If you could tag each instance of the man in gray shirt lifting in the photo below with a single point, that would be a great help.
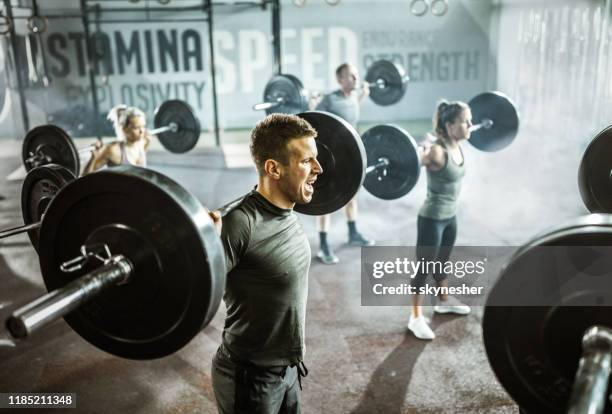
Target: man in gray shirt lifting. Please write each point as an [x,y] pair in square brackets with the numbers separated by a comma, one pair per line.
[259,364]
[344,102]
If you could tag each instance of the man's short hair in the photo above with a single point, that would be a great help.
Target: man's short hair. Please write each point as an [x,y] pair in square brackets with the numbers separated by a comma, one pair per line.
[341,68]
[271,135]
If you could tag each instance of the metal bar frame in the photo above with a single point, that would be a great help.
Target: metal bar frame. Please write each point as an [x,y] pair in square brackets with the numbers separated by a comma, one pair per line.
[20,88]
[276,36]
[90,68]
[213,79]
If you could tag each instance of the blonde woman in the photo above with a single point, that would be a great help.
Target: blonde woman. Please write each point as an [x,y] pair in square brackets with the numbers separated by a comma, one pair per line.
[132,141]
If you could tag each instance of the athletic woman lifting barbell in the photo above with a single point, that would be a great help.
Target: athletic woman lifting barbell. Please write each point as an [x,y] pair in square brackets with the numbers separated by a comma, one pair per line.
[436,222]
[130,148]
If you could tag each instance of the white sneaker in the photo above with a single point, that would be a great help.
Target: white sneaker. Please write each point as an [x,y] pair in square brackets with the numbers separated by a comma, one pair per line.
[452,305]
[420,328]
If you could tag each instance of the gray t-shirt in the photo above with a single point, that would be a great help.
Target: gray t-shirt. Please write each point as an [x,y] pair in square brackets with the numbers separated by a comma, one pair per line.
[346,107]
[268,258]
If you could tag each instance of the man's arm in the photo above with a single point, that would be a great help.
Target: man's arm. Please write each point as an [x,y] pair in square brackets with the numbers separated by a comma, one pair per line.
[365,92]
[235,236]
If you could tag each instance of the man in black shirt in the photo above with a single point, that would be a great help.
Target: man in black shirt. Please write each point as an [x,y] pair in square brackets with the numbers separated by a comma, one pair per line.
[258,367]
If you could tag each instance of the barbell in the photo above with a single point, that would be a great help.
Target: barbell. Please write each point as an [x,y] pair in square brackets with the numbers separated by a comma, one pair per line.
[547,324]
[286,93]
[176,126]
[393,154]
[38,189]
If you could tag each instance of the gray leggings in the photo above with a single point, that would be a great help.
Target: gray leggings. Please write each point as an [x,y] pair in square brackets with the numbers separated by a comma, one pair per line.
[435,240]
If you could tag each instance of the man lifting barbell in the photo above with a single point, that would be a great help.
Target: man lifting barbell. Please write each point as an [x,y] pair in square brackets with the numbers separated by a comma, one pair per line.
[344,102]
[258,367]
[163,271]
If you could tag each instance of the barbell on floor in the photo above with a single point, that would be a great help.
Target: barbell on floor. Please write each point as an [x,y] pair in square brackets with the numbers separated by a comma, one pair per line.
[176,126]
[286,94]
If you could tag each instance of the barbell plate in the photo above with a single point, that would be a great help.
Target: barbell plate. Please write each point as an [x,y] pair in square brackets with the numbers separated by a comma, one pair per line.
[290,90]
[395,80]
[165,232]
[55,143]
[534,349]
[502,111]
[342,157]
[595,173]
[396,145]
[182,114]
[39,187]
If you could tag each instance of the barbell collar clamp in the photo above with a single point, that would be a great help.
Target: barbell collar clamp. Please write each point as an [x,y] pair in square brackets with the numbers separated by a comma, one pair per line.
[46,309]
[379,83]
[485,123]
[381,163]
[171,127]
[18,230]
[590,386]
[267,105]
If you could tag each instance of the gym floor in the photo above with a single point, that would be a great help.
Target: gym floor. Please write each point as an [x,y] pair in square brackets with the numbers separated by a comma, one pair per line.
[361,359]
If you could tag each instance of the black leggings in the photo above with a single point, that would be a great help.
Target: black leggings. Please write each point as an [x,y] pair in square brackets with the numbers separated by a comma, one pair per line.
[435,240]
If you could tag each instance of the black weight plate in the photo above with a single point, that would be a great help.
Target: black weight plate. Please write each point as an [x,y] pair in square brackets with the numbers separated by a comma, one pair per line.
[290,90]
[39,187]
[342,156]
[165,232]
[394,78]
[534,350]
[53,145]
[595,173]
[396,145]
[182,114]
[501,110]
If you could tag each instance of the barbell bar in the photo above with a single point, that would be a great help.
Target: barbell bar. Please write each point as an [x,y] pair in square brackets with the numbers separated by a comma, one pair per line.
[590,386]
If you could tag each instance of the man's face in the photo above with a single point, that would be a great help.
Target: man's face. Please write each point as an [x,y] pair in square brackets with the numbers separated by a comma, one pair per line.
[299,175]
[135,129]
[349,78]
